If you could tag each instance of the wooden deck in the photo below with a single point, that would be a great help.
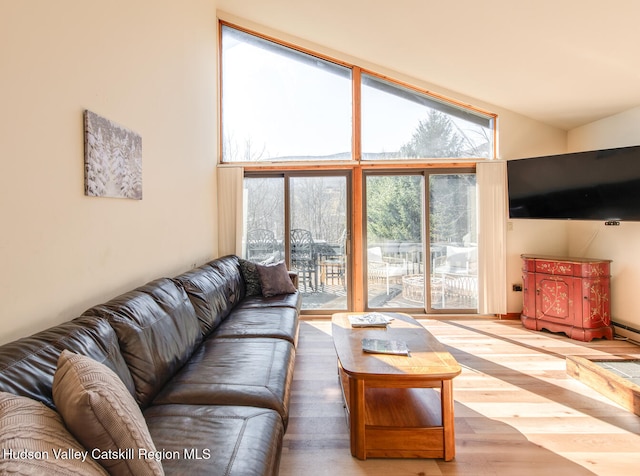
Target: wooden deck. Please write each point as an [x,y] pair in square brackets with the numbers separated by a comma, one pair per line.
[517,411]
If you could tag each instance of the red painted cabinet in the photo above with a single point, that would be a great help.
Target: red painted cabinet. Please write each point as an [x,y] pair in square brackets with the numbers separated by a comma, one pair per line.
[570,295]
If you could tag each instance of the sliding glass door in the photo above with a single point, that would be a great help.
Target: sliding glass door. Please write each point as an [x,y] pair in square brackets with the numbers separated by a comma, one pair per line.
[453,242]
[394,241]
[305,221]
[318,239]
[405,271]
[415,241]
[264,219]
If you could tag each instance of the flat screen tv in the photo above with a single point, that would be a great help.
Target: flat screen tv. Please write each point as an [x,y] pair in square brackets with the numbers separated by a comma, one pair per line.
[595,185]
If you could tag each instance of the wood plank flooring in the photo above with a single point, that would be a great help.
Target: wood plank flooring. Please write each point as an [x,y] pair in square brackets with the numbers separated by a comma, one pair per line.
[517,412]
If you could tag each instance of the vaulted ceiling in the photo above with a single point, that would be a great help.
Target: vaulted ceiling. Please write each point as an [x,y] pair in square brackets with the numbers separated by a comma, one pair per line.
[562,62]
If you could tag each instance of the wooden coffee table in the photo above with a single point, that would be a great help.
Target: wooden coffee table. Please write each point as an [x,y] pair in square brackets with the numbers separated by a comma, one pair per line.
[398,406]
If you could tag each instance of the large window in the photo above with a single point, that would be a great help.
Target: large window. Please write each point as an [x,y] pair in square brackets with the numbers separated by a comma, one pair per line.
[400,123]
[281,104]
[362,184]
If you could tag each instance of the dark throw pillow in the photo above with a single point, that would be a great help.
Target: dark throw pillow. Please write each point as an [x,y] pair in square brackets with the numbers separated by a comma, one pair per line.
[251,278]
[275,279]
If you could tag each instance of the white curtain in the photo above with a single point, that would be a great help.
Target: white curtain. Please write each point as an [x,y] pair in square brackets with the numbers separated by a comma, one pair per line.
[230,214]
[492,220]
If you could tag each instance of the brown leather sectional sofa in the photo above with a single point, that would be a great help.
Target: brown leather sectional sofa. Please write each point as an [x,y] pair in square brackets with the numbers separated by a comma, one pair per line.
[210,367]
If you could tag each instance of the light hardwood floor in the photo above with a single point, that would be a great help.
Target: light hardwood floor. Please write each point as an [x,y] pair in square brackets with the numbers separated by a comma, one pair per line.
[517,412]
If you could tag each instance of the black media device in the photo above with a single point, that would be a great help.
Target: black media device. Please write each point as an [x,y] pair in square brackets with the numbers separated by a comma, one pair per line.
[601,185]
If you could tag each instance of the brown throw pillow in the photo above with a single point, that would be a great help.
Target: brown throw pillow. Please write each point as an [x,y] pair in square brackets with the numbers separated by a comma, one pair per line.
[102,414]
[34,441]
[275,279]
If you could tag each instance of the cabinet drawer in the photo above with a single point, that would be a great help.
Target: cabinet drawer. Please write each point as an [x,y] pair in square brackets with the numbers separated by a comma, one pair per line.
[583,267]
[559,268]
[590,270]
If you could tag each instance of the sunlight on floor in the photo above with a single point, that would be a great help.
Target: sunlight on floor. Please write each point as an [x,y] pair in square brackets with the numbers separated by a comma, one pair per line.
[516,409]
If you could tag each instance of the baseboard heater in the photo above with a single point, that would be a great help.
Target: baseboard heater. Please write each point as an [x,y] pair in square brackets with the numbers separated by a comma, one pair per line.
[629,332]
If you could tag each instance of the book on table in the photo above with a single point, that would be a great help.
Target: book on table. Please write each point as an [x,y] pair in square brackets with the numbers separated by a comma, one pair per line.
[385,346]
[372,319]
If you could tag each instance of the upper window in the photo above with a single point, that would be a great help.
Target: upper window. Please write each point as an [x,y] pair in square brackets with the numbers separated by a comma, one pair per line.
[401,123]
[282,104]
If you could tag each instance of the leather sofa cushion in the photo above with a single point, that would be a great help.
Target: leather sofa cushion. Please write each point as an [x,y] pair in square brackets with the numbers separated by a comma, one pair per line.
[217,440]
[207,289]
[276,322]
[157,329]
[251,372]
[293,301]
[27,365]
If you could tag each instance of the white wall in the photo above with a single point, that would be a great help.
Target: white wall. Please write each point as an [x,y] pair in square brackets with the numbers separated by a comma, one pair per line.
[519,139]
[619,243]
[147,65]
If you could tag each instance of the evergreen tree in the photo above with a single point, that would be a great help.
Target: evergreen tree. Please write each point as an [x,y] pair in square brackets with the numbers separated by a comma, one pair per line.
[435,137]
[394,203]
[394,208]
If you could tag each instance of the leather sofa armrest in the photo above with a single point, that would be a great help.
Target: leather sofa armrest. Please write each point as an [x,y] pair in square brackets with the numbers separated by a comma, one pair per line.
[294,278]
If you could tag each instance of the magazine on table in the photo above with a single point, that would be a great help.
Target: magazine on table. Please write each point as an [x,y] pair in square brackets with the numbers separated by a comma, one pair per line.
[372,319]
[384,346]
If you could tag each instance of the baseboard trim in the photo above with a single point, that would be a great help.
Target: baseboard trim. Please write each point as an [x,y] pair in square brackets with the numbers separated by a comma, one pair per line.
[510,316]
[623,330]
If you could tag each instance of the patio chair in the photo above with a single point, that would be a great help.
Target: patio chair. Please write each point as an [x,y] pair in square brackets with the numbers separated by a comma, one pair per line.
[384,269]
[332,262]
[461,260]
[458,272]
[303,258]
[262,246]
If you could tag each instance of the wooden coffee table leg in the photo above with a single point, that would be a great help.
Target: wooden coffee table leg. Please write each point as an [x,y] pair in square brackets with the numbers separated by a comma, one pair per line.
[357,414]
[448,420]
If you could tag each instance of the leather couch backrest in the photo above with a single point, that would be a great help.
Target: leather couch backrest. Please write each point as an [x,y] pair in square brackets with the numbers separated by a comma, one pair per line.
[157,329]
[27,365]
[229,267]
[214,289]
